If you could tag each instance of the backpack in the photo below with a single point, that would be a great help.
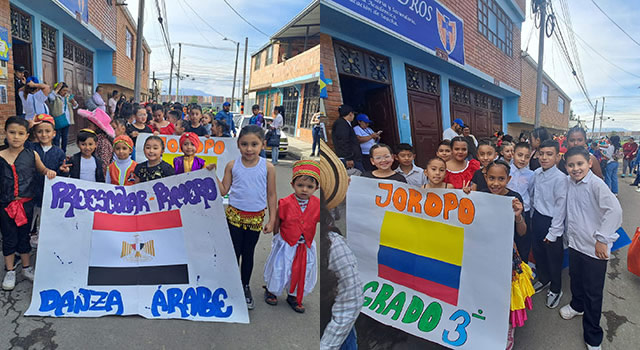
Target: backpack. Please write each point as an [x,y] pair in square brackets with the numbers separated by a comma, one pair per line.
[90,104]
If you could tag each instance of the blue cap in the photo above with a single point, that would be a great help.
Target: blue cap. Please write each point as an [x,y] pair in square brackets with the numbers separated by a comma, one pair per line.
[459,122]
[33,79]
[363,118]
[226,104]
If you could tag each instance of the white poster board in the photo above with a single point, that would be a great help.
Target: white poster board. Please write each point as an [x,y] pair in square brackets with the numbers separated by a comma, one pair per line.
[434,263]
[159,249]
[219,150]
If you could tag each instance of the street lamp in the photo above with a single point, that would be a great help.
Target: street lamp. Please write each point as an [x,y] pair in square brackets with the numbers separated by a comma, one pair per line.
[235,71]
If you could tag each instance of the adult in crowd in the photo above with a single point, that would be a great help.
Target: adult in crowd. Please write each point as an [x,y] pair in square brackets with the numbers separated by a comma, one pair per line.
[97,99]
[34,95]
[19,83]
[345,141]
[367,138]
[466,132]
[318,131]
[276,129]
[256,118]
[454,130]
[630,149]
[227,116]
[113,104]
[62,105]
[611,156]
[159,123]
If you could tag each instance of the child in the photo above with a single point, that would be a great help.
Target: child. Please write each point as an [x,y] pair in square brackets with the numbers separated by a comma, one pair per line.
[521,178]
[593,216]
[194,125]
[435,172]
[158,123]
[506,151]
[16,206]
[576,136]
[292,262]
[444,150]
[119,126]
[459,170]
[486,154]
[154,167]
[99,123]
[251,184]
[84,165]
[179,127]
[538,135]
[206,122]
[189,143]
[382,159]
[548,199]
[139,125]
[412,173]
[120,171]
[497,177]
[173,117]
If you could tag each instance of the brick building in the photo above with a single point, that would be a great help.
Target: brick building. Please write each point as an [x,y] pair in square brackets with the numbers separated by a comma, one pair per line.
[555,107]
[413,67]
[72,41]
[285,71]
[123,77]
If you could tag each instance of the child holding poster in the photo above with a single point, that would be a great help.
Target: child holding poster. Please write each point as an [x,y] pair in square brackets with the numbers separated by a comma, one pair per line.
[120,171]
[154,167]
[292,262]
[250,182]
[16,206]
[382,159]
[189,143]
[435,172]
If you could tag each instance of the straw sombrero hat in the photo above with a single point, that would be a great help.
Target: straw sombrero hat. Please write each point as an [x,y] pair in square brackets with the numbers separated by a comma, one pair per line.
[333,176]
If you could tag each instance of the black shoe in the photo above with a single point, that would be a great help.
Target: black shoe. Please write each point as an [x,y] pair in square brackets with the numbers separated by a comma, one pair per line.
[248,298]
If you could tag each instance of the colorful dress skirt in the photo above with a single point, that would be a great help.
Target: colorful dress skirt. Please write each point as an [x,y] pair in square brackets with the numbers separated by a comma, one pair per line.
[277,269]
[521,291]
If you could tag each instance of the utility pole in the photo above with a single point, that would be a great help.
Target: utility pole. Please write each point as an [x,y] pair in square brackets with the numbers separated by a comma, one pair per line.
[178,77]
[154,88]
[593,126]
[139,56]
[235,72]
[170,75]
[244,72]
[542,7]
[601,116]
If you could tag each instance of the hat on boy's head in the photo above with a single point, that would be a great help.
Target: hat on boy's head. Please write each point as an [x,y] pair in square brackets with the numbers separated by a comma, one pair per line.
[33,79]
[363,118]
[306,167]
[333,176]
[20,69]
[44,118]
[195,140]
[123,139]
[100,118]
[226,104]
[459,122]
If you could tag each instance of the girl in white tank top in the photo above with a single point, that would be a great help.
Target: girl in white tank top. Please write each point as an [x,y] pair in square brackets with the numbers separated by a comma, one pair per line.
[250,182]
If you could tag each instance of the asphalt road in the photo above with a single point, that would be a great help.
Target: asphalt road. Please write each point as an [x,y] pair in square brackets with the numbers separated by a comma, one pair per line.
[271,327]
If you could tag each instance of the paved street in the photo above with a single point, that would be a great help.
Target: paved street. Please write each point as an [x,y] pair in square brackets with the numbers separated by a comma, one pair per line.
[271,327]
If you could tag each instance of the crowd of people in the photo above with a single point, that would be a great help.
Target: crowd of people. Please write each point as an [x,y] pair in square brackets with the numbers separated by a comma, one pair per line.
[35,147]
[563,189]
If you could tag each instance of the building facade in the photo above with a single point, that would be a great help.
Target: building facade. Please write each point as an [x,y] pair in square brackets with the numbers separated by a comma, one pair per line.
[285,72]
[415,66]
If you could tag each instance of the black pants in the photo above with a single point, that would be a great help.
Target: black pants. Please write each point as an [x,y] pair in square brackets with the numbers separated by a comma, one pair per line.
[523,243]
[14,238]
[548,255]
[244,244]
[587,283]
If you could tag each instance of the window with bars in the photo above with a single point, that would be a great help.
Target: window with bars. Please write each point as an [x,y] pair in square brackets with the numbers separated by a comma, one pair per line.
[129,50]
[494,24]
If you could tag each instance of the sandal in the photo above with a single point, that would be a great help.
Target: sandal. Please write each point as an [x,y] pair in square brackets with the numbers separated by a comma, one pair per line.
[269,297]
[293,302]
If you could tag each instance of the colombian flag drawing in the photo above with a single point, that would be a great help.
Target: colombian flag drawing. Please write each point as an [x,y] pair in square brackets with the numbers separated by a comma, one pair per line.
[423,255]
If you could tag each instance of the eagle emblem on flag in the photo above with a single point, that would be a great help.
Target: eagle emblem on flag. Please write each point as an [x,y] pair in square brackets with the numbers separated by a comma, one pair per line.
[447,31]
[138,251]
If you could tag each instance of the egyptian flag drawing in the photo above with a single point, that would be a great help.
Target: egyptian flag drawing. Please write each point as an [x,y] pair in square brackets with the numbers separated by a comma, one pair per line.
[138,250]
[423,255]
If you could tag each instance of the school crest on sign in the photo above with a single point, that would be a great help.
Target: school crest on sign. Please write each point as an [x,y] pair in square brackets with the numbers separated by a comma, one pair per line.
[447,30]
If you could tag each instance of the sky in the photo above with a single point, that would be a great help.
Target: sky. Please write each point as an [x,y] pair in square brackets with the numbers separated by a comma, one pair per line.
[211,70]
[620,86]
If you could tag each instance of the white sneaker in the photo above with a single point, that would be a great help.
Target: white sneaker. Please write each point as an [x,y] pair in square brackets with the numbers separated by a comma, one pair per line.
[567,312]
[28,273]
[553,299]
[589,347]
[9,281]
[638,189]
[539,287]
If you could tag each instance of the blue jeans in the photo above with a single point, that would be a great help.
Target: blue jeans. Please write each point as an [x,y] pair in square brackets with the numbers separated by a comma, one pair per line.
[62,134]
[351,343]
[275,152]
[315,132]
[611,176]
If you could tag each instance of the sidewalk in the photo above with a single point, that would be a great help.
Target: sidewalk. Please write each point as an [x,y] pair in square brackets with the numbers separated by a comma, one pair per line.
[299,149]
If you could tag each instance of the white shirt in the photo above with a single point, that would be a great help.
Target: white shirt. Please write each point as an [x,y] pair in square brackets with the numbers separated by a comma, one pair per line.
[415,177]
[593,214]
[521,182]
[34,104]
[88,169]
[608,152]
[112,105]
[365,147]
[277,123]
[248,190]
[99,101]
[548,194]
[449,134]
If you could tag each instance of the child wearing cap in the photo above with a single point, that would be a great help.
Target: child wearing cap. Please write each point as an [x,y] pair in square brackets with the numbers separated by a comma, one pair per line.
[120,171]
[367,138]
[292,262]
[189,143]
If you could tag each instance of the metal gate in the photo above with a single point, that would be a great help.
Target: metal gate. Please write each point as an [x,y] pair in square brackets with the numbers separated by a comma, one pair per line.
[290,97]
[310,105]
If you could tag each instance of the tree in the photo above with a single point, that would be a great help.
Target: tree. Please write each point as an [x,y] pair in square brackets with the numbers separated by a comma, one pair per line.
[194,99]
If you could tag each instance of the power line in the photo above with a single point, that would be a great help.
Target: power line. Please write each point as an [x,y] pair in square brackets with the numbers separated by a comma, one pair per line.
[202,19]
[614,22]
[244,19]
